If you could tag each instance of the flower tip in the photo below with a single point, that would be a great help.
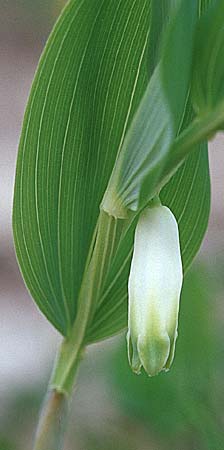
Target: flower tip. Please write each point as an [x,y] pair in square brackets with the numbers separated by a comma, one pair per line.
[154,354]
[172,353]
[133,356]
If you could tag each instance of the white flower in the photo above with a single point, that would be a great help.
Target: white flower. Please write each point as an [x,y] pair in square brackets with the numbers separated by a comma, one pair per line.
[154,286]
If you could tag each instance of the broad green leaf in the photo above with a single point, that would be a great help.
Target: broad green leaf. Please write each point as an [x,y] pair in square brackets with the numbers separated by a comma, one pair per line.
[143,156]
[92,77]
[90,80]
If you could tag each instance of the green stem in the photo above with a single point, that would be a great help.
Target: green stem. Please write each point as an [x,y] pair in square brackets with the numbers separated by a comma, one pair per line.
[51,428]
[200,130]
[53,418]
[95,272]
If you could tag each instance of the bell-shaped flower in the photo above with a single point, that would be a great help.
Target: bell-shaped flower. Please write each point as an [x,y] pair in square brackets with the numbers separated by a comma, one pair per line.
[155,283]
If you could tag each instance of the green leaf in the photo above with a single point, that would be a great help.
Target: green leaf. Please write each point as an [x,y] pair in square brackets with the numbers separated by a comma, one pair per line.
[204,5]
[145,151]
[178,57]
[83,106]
[208,74]
[138,167]
[88,85]
[160,14]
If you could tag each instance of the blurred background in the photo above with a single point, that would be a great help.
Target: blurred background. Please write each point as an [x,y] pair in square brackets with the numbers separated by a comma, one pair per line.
[112,408]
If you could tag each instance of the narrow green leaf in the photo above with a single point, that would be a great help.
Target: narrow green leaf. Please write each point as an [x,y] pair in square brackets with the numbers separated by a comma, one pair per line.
[143,153]
[204,5]
[177,58]
[160,14]
[208,74]
[143,156]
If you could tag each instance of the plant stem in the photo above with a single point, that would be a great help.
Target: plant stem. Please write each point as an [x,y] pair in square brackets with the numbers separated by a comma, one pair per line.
[51,428]
[50,431]
[95,273]
[52,423]
[201,129]
[53,418]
